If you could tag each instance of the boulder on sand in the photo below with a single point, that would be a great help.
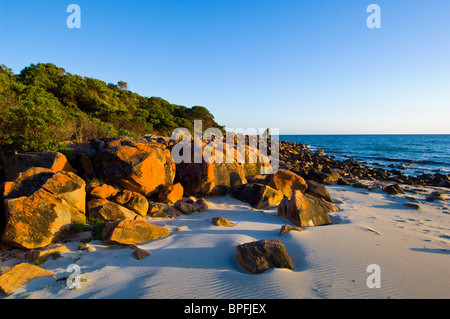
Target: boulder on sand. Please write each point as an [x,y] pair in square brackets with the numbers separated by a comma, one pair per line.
[257,257]
[318,190]
[286,181]
[304,210]
[20,275]
[257,195]
[130,232]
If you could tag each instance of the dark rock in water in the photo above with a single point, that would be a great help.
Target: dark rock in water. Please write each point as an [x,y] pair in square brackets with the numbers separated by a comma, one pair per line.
[257,257]
[394,189]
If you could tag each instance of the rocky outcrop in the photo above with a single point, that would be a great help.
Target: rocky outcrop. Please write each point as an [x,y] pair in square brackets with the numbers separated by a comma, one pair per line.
[304,210]
[257,257]
[257,195]
[137,166]
[209,179]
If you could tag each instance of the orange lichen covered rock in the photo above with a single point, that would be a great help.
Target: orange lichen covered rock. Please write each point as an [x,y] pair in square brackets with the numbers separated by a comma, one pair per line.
[130,232]
[138,168]
[20,275]
[54,161]
[105,210]
[286,181]
[304,210]
[102,191]
[171,194]
[40,205]
[36,221]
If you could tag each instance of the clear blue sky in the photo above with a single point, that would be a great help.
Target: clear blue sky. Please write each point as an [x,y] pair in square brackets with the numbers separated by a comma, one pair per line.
[303,66]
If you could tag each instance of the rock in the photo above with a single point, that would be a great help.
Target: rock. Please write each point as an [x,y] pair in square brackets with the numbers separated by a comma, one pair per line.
[135,166]
[202,204]
[257,195]
[257,257]
[123,197]
[38,220]
[286,181]
[413,205]
[54,161]
[342,181]
[287,228]
[186,208]
[140,253]
[222,222]
[210,178]
[171,194]
[394,190]
[138,204]
[103,209]
[318,190]
[103,191]
[83,236]
[360,185]
[69,187]
[46,251]
[65,185]
[20,275]
[162,210]
[130,232]
[81,160]
[304,210]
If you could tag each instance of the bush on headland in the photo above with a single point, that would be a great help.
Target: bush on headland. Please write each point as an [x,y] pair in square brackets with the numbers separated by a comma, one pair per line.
[43,107]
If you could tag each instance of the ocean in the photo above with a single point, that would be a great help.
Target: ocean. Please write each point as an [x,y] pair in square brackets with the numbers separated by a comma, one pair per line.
[414,154]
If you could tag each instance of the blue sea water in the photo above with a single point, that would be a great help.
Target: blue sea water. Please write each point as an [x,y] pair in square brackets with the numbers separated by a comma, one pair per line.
[419,153]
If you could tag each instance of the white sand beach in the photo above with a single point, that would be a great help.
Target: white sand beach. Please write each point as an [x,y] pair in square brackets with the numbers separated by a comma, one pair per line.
[411,247]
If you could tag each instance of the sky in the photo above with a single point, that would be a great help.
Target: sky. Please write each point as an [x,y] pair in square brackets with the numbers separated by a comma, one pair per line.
[302,66]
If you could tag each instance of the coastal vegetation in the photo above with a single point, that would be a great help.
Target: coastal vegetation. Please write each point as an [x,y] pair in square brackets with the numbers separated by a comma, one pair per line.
[44,108]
